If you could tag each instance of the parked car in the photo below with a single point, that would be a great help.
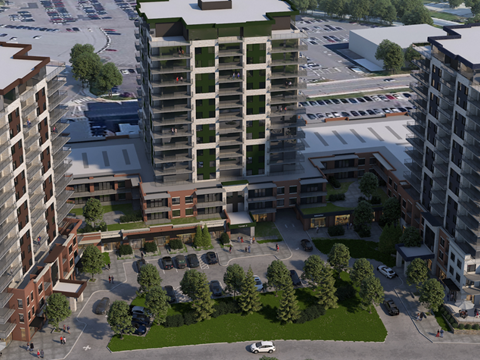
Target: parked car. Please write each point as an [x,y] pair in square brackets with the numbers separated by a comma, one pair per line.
[170,293]
[167,263]
[295,279]
[216,288]
[140,329]
[382,97]
[395,110]
[391,307]
[139,310]
[352,100]
[368,98]
[362,113]
[211,257]
[311,116]
[320,115]
[390,97]
[193,260]
[376,98]
[337,115]
[354,113]
[303,103]
[328,115]
[336,101]
[377,111]
[181,263]
[140,263]
[258,283]
[389,273]
[362,100]
[306,245]
[345,114]
[370,112]
[328,102]
[386,110]
[345,101]
[407,95]
[402,109]
[102,306]
[320,102]
[312,103]
[263,346]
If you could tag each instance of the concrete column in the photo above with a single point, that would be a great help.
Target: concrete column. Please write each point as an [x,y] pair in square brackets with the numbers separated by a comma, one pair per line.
[73,304]
[398,260]
[80,298]
[252,231]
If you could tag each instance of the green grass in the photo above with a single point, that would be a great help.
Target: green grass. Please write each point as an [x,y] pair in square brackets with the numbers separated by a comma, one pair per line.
[358,249]
[127,226]
[124,208]
[441,321]
[348,323]
[446,16]
[325,209]
[341,190]
[360,94]
[106,258]
[267,228]
[138,301]
[77,212]
[269,241]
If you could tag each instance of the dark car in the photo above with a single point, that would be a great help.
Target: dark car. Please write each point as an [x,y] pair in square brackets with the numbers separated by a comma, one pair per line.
[311,116]
[345,114]
[193,260]
[141,319]
[336,101]
[371,112]
[216,288]
[368,98]
[181,263]
[354,113]
[295,279]
[211,258]
[345,101]
[170,293]
[167,263]
[391,307]
[306,245]
[139,328]
[361,112]
[102,306]
[140,263]
[352,100]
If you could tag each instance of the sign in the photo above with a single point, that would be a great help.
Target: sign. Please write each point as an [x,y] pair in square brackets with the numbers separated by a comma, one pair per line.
[318,215]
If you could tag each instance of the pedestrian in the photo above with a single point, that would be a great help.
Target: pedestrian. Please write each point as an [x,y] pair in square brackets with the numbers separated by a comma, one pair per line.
[317,228]
[278,108]
[38,354]
[175,130]
[29,123]
[230,249]
[112,279]
[251,240]
[351,226]
[421,316]
[233,77]
[248,248]
[28,346]
[438,333]
[177,79]
[181,78]
[108,266]
[254,239]
[278,247]
[61,339]
[183,52]
[68,329]
[241,239]
[64,328]
[109,279]
[238,238]
[41,353]
[64,340]
[441,333]
[31,347]
[238,75]
[418,316]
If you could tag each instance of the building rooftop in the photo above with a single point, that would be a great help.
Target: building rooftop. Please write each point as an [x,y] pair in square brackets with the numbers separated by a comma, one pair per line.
[241,11]
[465,46]
[17,68]
[401,35]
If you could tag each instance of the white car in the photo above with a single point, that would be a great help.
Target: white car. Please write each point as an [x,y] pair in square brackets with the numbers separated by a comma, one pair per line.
[262,346]
[258,283]
[389,273]
[124,72]
[375,98]
[337,115]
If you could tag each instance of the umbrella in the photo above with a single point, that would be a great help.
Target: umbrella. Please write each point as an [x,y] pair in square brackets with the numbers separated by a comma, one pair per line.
[464,305]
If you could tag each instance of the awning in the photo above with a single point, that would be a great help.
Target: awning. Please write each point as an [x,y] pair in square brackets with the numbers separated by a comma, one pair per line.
[450,285]
[411,253]
[70,288]
[339,170]
[269,185]
[471,290]
[239,218]
[384,162]
[157,196]
[209,191]
[37,322]
[473,277]
[313,181]
[263,211]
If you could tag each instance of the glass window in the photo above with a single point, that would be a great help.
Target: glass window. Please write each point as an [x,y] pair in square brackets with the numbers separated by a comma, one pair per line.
[457,277]
[189,212]
[281,190]
[314,222]
[292,201]
[176,201]
[293,189]
[471,268]
[189,199]
[21,317]
[361,161]
[459,264]
[342,219]
[175,213]
[452,256]
[20,303]
[450,270]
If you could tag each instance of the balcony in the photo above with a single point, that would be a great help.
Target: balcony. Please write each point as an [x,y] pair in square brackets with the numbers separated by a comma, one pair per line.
[170,69]
[227,129]
[230,116]
[289,74]
[34,185]
[27,109]
[5,179]
[138,45]
[64,211]
[449,83]
[230,91]
[39,227]
[230,104]
[222,79]
[420,90]
[291,110]
[412,180]
[414,168]
[416,142]
[136,33]
[5,298]
[419,117]
[173,145]
[441,166]
[230,153]
[6,144]
[287,134]
[288,48]
[286,124]
[445,140]
[469,221]
[471,178]
[209,204]
[299,146]
[5,280]
[31,125]
[55,100]
[284,87]
[32,169]
[286,159]
[422,64]
[58,143]
[55,84]
[440,195]
[174,169]
[31,139]
[38,244]
[447,98]
[158,159]
[287,99]
[446,111]
[171,56]
[230,65]
[444,154]
[230,52]
[33,152]
[167,83]
[8,260]
[171,108]
[473,163]
[61,170]
[5,195]
[286,62]
[60,156]
[230,140]
[171,95]
[231,165]
[417,129]
[471,207]
[37,212]
[420,76]
[420,104]
[167,133]
[63,197]
[8,228]
[445,123]
[57,114]
[439,208]
[177,120]
[61,184]
[57,130]
[35,199]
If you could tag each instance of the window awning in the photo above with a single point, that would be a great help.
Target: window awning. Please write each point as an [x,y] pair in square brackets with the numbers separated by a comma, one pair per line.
[157,196]
[450,285]
[473,277]
[269,185]
[471,290]
[313,181]
[209,191]
[384,162]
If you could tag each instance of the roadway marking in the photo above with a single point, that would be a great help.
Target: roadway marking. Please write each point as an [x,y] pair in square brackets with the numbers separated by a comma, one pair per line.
[86,348]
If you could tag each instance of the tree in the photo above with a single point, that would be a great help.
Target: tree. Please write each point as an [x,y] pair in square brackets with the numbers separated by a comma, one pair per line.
[411,237]
[455,3]
[108,77]
[339,256]
[58,309]
[191,282]
[79,49]
[390,14]
[404,6]
[288,311]
[392,56]
[120,319]
[475,9]
[362,269]
[380,54]
[249,301]
[359,9]
[371,292]
[198,240]
[203,304]
[432,294]
[156,302]
[389,238]
[303,5]
[233,279]
[313,269]
[363,215]
[207,239]
[86,67]
[418,15]
[368,184]
[278,275]
[473,20]
[93,211]
[92,260]
[391,211]
[384,10]
[325,291]
[470,3]
[148,278]
[417,273]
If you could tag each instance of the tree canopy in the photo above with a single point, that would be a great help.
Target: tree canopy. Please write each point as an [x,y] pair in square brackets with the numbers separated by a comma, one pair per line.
[148,278]
[325,291]
[369,181]
[371,292]
[339,256]
[278,275]
[418,15]
[361,270]
[391,211]
[455,3]
[417,272]
[411,237]
[363,215]
[288,311]
[86,67]
[203,304]
[93,211]
[92,260]
[389,238]
[120,319]
[108,77]
[432,294]
[58,309]
[156,302]
[191,282]
[79,49]
[233,279]
[392,56]
[249,301]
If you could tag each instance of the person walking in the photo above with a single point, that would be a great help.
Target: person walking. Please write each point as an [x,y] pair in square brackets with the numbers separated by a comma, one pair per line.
[109,279]
[254,239]
[68,329]
[61,340]
[246,249]
[241,239]
[230,249]
[31,347]
[278,247]
[112,279]
[251,240]
[64,328]
[108,266]
[249,248]
[38,354]
[441,333]
[438,333]
[42,353]
[64,340]
[317,228]
[28,346]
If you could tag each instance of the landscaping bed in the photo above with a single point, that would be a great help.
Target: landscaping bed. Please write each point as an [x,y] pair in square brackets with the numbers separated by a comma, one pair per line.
[265,229]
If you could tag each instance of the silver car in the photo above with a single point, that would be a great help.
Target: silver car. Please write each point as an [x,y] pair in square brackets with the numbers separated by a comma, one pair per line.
[263,346]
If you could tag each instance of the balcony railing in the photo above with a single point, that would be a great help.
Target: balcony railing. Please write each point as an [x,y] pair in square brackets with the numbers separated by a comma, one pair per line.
[60,156]
[58,143]
[7,228]
[447,98]
[285,124]
[33,152]
[289,48]
[285,62]
[171,108]
[5,179]
[56,68]
[138,45]
[8,260]
[39,227]
[441,180]
[229,79]
[279,160]
[230,65]
[230,52]
[170,69]
[34,185]
[167,133]
[414,168]
[420,104]
[209,204]
[31,139]
[291,110]
[417,129]
[412,180]
[231,165]
[55,100]
[446,111]
[171,56]
[37,212]
[471,192]
[38,244]
[444,154]
[287,99]
[166,83]
[416,142]
[65,210]
[57,130]
[287,148]
[470,206]
[230,116]
[27,109]
[174,169]
[171,95]
[63,197]
[178,120]
[281,74]
[287,134]
[224,141]
[158,159]
[61,170]
[5,280]
[422,64]
[230,91]
[230,129]
[57,114]
[439,208]
[229,153]
[6,144]
[287,87]
[230,104]
[55,84]
[473,163]
[420,76]
[35,199]
[173,145]
[420,90]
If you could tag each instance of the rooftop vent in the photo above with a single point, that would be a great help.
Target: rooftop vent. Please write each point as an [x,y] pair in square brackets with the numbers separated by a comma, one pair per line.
[214,4]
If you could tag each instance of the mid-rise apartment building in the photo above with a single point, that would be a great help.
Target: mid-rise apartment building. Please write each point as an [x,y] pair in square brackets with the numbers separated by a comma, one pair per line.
[445,166]
[37,247]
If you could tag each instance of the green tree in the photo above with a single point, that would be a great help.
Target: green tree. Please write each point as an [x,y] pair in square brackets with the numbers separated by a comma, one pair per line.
[325,291]
[120,319]
[58,309]
[148,278]
[156,302]
[93,211]
[303,5]
[470,3]
[368,184]
[288,311]
[312,5]
[249,301]
[86,67]
[473,20]
[389,238]
[417,273]
[371,292]
[382,50]
[392,56]
[475,9]
[418,15]
[107,78]
[233,279]
[92,260]
[198,239]
[361,270]
[313,269]
[390,14]
[207,239]
[359,9]
[411,237]
[79,49]
[203,304]
[278,275]
[455,3]
[363,215]
[391,211]
[432,294]
[404,6]
[191,282]
[339,256]
[384,10]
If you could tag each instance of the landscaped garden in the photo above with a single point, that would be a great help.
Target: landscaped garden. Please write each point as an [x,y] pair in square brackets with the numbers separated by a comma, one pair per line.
[265,229]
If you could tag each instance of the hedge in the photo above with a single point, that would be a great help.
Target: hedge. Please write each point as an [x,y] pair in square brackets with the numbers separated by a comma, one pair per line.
[336,197]
[334,182]
[336,230]
[224,239]
[150,247]
[310,313]
[131,217]
[176,244]
[125,250]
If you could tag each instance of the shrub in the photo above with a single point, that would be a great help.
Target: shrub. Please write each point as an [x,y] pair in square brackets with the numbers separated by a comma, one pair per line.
[102,226]
[336,197]
[336,230]
[461,326]
[224,308]
[455,325]
[189,318]
[310,313]
[468,326]
[476,327]
[376,200]
[150,247]
[334,182]
[363,231]
[382,221]
[125,250]
[174,320]
[450,318]
[131,217]
[176,244]
[345,292]
[362,198]
[224,239]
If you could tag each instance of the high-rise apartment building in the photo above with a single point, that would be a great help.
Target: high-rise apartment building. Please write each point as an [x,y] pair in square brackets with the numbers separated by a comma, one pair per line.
[445,166]
[37,247]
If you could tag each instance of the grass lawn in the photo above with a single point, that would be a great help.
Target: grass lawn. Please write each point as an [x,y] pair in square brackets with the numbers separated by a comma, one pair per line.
[348,323]
[341,190]
[106,258]
[267,228]
[358,249]
[189,220]
[125,208]
[445,16]
[441,321]
[325,209]
[78,211]
[269,241]
[128,226]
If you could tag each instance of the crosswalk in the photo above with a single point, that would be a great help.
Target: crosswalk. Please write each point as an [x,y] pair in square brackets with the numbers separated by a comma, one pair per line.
[82,100]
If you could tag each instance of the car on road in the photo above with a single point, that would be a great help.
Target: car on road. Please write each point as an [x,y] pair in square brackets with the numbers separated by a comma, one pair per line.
[391,307]
[110,50]
[170,293]
[258,283]
[388,80]
[211,257]
[193,260]
[36,37]
[306,245]
[140,329]
[262,346]
[385,270]
[295,278]
[140,263]
[167,263]
[102,306]
[181,263]
[311,116]
[216,288]
[3,35]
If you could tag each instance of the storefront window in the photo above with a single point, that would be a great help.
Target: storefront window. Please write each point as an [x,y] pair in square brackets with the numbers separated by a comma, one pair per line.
[161,240]
[260,217]
[320,222]
[342,219]
[186,237]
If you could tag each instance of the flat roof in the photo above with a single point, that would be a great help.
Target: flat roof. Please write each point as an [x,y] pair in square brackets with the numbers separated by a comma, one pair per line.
[239,218]
[17,68]
[466,45]
[401,35]
[67,287]
[241,11]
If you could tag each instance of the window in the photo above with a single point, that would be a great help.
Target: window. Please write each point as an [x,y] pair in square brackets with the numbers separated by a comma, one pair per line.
[450,270]
[442,242]
[40,288]
[71,262]
[175,201]
[404,203]
[175,213]
[372,161]
[361,161]
[28,301]
[20,303]
[189,199]
[70,249]
[280,190]
[459,264]
[189,212]
[280,203]
[457,277]
[390,180]
[29,316]
[440,255]
[292,201]
[21,317]
[452,256]
[471,268]
[293,189]
[31,296]
[395,187]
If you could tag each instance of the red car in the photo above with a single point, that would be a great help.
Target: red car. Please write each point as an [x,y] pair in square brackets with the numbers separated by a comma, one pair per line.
[69,30]
[110,50]
[390,97]
[109,29]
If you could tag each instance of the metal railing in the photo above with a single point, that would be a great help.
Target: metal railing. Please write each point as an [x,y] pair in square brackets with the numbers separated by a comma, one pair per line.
[59,67]
[27,109]
[61,170]
[8,260]
[33,152]
[34,185]
[58,143]
[37,212]
[285,87]
[173,158]
[288,48]
[6,229]
[57,114]
[282,62]
[39,226]
[5,280]
[65,210]
[287,99]
[55,100]
[230,65]
[171,95]
[165,83]
[60,156]
[31,139]
[281,74]
[171,108]
[35,199]
[55,84]
[170,69]
[59,128]
[230,104]
[63,197]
